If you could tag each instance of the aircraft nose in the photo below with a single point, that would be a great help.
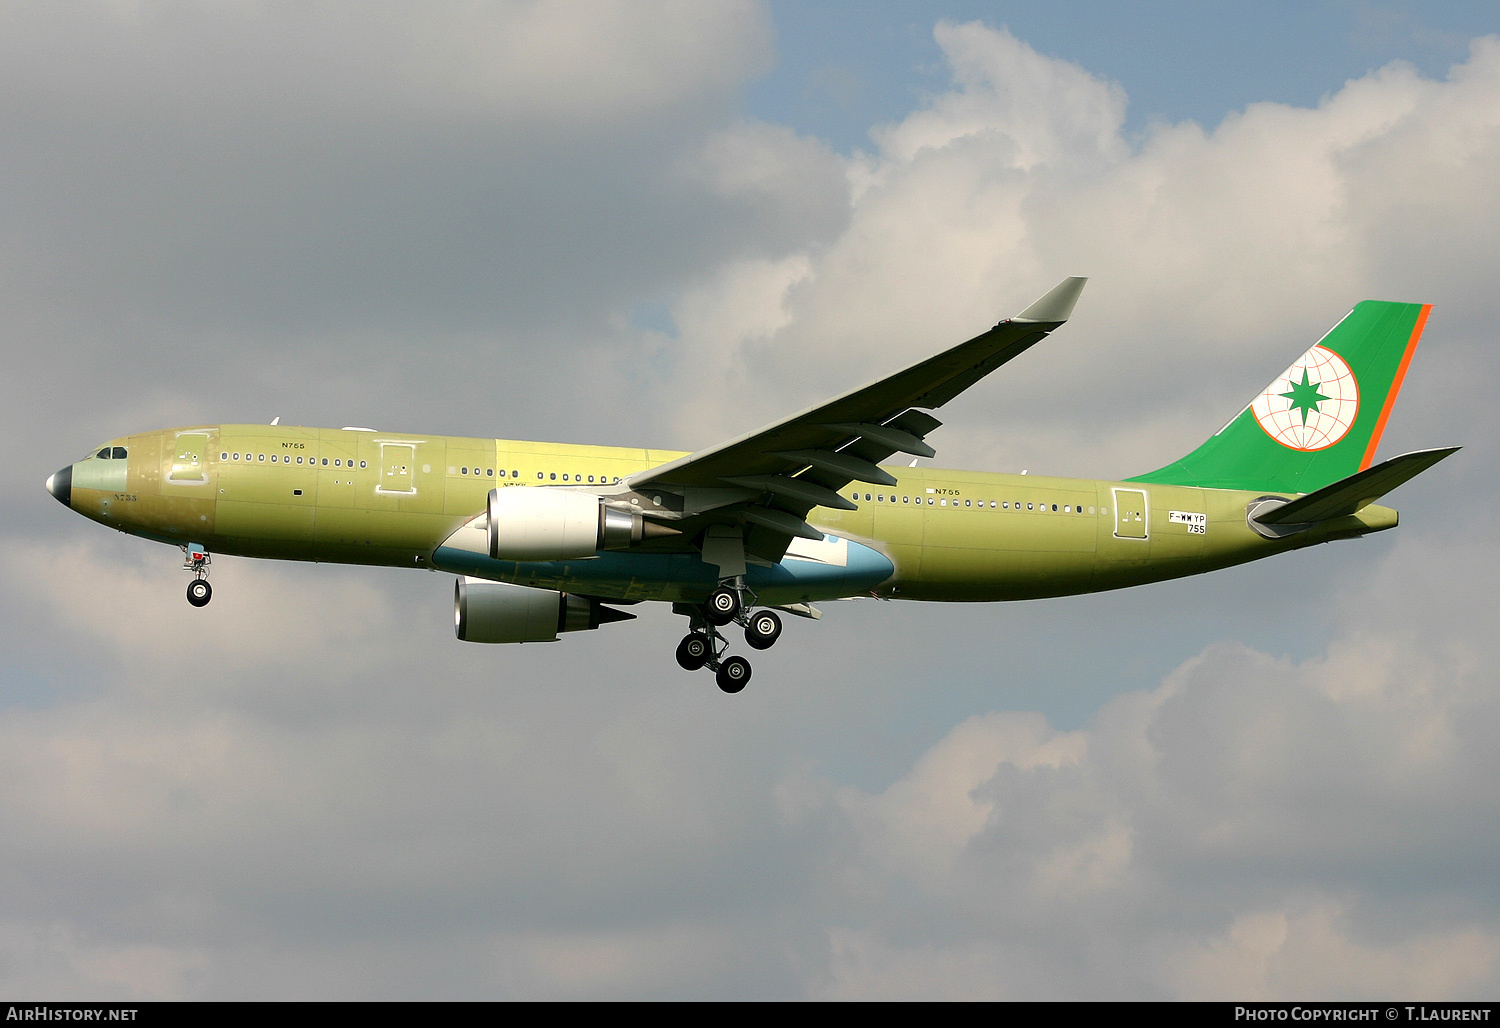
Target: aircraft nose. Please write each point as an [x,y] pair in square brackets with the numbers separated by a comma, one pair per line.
[60,485]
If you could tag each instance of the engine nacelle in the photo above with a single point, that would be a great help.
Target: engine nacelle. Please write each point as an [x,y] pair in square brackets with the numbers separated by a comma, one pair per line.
[498,612]
[527,523]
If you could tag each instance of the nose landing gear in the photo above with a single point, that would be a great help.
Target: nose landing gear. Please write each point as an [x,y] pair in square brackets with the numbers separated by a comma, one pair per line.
[195,559]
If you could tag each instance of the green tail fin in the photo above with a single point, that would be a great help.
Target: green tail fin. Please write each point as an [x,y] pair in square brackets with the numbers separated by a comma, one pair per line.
[1321,419]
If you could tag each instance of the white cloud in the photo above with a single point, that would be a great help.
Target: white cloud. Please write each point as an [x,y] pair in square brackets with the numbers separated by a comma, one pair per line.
[1028,111]
[1214,256]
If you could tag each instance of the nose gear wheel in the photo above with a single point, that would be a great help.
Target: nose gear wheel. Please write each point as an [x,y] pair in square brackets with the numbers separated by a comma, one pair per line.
[195,559]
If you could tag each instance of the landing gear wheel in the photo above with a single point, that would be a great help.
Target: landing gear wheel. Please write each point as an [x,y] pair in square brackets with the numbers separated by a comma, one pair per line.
[199,592]
[723,606]
[693,652]
[733,674]
[763,629]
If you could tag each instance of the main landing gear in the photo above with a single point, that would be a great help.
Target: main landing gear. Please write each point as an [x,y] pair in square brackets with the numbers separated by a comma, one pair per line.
[195,559]
[704,646]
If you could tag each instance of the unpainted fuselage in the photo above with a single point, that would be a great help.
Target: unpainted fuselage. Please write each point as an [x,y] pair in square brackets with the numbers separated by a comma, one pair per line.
[400,500]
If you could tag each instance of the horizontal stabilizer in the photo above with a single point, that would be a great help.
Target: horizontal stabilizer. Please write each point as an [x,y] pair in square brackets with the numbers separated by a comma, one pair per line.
[1351,495]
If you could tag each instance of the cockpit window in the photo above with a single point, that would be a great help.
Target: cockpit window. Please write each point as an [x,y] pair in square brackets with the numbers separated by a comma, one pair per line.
[119,453]
[103,453]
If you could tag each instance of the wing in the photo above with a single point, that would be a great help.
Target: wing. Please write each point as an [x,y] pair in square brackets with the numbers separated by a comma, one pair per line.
[768,480]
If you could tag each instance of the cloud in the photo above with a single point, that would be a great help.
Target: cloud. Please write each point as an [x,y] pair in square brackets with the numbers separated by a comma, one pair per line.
[1214,256]
[309,789]
[1308,951]
[330,210]
[1252,828]
[561,61]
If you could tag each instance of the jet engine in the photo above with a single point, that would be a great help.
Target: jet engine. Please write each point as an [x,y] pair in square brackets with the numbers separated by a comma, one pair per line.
[527,523]
[498,612]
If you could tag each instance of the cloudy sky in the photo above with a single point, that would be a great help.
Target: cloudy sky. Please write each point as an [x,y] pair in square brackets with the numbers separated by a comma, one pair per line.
[662,224]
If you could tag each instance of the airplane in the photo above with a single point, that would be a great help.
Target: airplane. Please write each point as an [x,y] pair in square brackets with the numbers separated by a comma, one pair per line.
[550,538]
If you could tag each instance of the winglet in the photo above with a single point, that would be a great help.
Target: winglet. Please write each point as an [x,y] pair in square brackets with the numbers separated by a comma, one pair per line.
[1057,306]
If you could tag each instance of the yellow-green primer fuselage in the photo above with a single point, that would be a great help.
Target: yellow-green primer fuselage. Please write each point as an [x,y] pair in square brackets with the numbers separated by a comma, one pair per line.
[361,497]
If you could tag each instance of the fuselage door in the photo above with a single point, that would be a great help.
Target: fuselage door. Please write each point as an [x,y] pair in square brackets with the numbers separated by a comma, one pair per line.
[397,462]
[1130,514]
[190,459]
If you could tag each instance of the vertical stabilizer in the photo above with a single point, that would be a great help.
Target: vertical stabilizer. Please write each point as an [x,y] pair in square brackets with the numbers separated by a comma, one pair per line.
[1321,419]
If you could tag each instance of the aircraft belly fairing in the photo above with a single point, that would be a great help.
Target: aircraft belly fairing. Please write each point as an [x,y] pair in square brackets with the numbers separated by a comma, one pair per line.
[836,569]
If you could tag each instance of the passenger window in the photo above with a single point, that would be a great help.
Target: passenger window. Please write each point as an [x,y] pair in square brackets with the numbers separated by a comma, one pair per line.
[224,455]
[553,476]
[325,462]
[262,458]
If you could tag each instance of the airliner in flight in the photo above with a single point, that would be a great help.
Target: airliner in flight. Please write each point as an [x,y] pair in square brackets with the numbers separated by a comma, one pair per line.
[548,538]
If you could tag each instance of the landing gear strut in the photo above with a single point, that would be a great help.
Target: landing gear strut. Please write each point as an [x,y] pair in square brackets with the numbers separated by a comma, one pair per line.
[705,645]
[195,559]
